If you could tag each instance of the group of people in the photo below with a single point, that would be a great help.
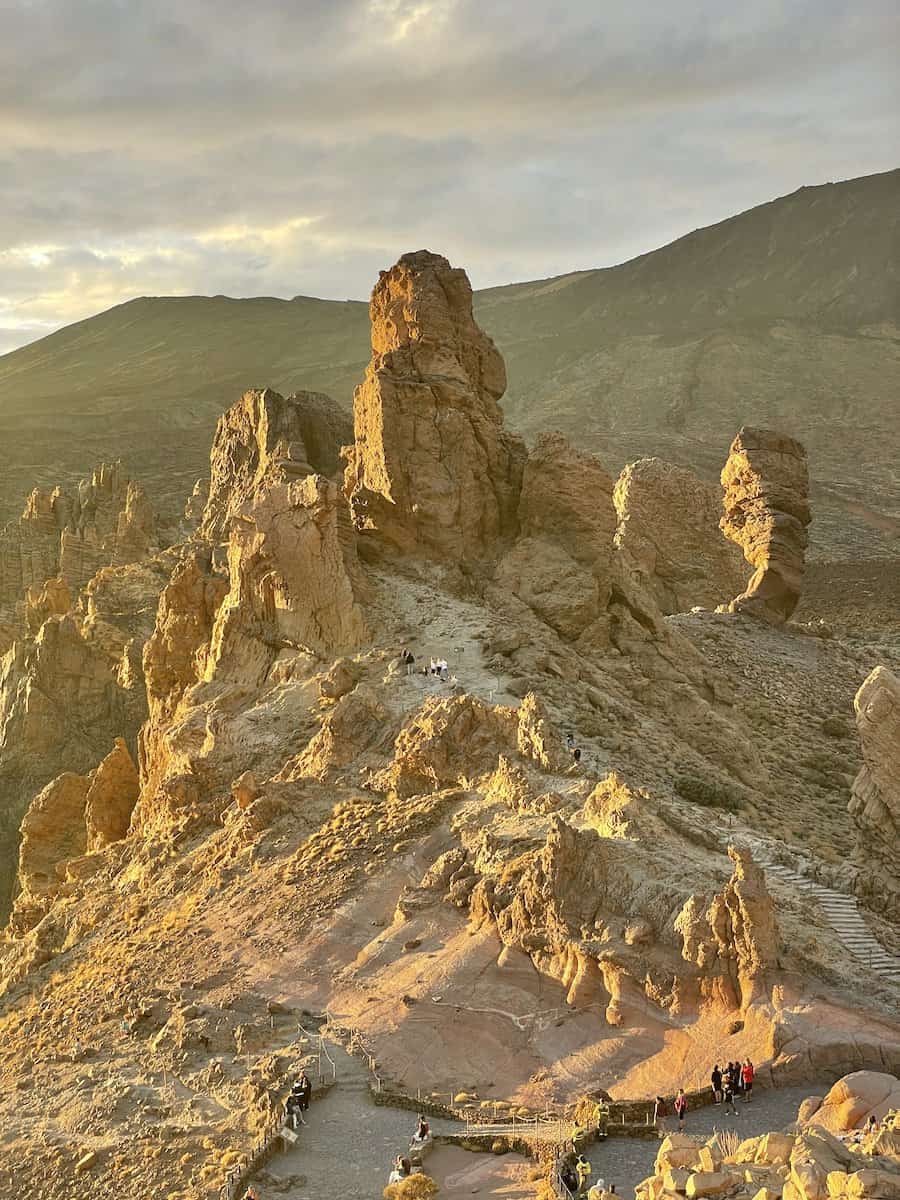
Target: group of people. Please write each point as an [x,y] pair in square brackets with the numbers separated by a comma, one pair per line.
[405,1164]
[733,1080]
[297,1102]
[437,667]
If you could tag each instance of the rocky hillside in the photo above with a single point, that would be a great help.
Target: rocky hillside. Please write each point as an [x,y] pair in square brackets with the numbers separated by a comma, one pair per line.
[602,844]
[784,316]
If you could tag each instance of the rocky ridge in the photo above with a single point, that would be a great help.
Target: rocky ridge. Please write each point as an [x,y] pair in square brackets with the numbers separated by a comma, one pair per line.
[307,810]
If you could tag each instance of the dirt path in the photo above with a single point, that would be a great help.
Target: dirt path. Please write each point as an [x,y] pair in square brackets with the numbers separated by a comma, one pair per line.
[348,1144]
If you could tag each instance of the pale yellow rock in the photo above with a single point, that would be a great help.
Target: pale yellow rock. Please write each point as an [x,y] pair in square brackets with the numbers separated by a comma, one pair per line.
[708,1183]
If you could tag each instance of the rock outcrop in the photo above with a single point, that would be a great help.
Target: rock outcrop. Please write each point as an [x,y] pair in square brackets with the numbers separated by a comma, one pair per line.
[295,581]
[560,566]
[668,534]
[736,932]
[73,816]
[811,1164]
[266,439]
[856,1097]
[108,521]
[432,468]
[766,502]
[174,659]
[875,794]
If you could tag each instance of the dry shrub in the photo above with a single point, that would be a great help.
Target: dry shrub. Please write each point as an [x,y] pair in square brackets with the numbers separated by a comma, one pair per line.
[414,1187]
[728,1141]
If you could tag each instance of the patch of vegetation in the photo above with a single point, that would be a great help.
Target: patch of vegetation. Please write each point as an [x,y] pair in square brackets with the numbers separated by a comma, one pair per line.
[708,792]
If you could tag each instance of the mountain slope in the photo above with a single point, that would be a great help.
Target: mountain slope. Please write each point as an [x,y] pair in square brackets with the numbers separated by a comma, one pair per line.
[786,315]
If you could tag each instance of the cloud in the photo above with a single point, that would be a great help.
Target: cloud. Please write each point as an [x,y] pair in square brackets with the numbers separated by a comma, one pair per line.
[207,147]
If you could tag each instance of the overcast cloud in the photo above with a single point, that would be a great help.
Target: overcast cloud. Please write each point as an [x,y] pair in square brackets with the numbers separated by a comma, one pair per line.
[206,146]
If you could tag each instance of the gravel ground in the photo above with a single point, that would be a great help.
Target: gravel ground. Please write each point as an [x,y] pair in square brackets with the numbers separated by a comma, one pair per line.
[626,1161]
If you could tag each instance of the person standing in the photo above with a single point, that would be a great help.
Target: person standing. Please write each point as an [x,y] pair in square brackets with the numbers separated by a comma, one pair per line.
[680,1107]
[716,1081]
[747,1073]
[728,1082]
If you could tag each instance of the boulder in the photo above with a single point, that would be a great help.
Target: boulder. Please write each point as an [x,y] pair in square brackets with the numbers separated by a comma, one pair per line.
[854,1098]
[111,798]
[766,502]
[709,1183]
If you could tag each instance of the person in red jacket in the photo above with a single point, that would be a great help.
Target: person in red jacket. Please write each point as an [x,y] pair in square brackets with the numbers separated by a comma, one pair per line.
[747,1079]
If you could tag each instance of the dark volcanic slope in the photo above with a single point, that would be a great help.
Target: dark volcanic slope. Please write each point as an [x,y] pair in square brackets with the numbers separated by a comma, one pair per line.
[787,314]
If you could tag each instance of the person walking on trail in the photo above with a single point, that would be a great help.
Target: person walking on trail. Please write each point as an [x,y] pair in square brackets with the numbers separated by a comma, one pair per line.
[576,755]
[716,1081]
[583,1171]
[570,741]
[728,1083]
[680,1107]
[301,1093]
[747,1073]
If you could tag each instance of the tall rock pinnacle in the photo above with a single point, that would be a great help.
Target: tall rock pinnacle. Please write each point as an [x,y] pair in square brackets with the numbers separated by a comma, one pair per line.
[432,467]
[766,501]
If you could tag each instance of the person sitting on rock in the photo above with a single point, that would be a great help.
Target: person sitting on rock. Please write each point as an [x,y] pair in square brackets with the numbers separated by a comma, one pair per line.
[422,1136]
[402,1170]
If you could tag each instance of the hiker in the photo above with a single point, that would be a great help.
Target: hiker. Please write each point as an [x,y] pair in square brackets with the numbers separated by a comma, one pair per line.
[729,1082]
[747,1079]
[576,754]
[432,665]
[583,1171]
[300,1096]
[444,670]
[570,741]
[402,1170]
[716,1081]
[659,1108]
[680,1107]
[407,660]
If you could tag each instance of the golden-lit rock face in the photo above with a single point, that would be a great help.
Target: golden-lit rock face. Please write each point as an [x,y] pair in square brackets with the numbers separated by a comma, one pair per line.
[432,467]
[668,532]
[264,439]
[808,1162]
[766,502]
[875,795]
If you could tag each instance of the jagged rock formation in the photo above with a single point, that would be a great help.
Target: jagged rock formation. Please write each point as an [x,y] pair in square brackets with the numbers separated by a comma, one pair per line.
[875,795]
[736,929]
[73,816]
[766,503]
[296,773]
[265,439]
[668,532]
[174,659]
[60,704]
[108,521]
[294,581]
[432,467]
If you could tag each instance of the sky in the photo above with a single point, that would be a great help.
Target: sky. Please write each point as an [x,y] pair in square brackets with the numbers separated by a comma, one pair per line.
[154,147]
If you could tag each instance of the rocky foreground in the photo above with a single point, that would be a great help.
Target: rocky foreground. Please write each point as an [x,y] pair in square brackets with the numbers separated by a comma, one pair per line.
[228,798]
